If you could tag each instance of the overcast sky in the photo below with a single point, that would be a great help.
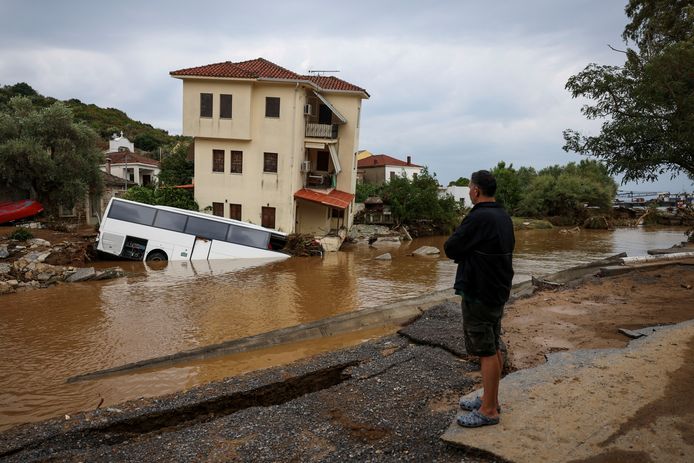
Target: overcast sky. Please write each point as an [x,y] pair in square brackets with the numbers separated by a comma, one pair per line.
[457,85]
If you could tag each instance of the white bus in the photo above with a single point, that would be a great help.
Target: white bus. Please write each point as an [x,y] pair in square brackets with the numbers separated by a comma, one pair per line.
[137,231]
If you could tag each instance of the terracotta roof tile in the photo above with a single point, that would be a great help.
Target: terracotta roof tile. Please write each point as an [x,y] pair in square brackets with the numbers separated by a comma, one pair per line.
[336,198]
[333,83]
[251,69]
[380,160]
[118,157]
[260,68]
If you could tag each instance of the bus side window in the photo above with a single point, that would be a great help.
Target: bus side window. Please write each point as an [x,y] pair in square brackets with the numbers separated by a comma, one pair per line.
[248,236]
[210,229]
[132,213]
[170,221]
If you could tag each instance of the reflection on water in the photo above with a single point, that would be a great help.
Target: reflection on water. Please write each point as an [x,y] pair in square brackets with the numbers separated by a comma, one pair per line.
[49,335]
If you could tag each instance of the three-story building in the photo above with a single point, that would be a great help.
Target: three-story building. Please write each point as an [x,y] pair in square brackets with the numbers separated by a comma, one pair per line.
[273,147]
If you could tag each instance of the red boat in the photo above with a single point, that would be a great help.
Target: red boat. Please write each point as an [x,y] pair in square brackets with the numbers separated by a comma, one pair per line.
[17,210]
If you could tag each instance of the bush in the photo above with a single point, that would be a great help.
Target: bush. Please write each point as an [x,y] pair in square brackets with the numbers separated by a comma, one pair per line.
[21,234]
[418,199]
[164,196]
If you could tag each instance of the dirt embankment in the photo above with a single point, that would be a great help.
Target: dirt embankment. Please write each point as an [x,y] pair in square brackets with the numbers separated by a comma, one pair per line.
[589,316]
[75,248]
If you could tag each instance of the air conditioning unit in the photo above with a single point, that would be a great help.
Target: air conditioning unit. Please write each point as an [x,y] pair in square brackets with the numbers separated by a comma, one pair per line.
[305,166]
[307,110]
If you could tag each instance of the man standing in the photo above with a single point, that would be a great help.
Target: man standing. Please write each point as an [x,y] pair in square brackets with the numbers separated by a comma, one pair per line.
[482,246]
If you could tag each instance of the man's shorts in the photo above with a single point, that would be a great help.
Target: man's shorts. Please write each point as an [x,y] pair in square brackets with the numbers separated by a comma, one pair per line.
[481,327]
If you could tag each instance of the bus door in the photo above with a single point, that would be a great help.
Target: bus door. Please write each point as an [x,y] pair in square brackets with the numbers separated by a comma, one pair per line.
[201,248]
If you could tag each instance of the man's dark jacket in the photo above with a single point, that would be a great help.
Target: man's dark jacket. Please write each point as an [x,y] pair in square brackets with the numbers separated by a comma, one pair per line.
[482,246]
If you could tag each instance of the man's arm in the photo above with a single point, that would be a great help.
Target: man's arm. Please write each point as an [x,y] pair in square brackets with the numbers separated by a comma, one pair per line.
[463,240]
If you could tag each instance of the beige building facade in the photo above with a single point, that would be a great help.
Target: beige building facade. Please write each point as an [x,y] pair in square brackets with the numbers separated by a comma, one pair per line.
[273,147]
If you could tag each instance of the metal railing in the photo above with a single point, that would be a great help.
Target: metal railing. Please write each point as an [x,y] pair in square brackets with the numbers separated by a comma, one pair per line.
[321,130]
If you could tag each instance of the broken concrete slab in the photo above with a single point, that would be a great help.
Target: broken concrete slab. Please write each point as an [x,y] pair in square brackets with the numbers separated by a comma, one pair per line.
[590,404]
[81,274]
[427,251]
[631,333]
[440,326]
[386,256]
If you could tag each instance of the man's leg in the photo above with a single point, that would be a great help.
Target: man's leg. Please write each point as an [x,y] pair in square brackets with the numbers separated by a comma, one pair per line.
[491,374]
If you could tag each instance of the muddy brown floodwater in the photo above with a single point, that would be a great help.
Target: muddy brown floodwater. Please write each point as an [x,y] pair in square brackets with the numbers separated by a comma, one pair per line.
[49,335]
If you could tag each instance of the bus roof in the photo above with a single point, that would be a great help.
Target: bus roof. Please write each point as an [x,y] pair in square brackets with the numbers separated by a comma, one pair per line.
[202,215]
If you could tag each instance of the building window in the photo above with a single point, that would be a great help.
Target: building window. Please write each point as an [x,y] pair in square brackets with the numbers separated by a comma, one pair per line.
[392,175]
[337,213]
[217,160]
[235,211]
[205,105]
[322,161]
[218,209]
[268,218]
[236,162]
[272,106]
[269,162]
[225,106]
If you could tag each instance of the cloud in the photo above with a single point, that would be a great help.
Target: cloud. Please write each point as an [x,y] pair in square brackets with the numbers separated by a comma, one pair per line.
[459,85]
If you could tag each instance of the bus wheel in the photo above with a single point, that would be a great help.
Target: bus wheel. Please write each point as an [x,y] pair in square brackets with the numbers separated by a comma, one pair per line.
[156,256]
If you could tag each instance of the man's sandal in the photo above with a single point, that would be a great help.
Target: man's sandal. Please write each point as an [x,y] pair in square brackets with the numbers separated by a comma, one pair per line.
[473,404]
[475,419]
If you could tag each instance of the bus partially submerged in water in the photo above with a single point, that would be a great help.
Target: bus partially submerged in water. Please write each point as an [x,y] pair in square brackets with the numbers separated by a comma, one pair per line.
[137,231]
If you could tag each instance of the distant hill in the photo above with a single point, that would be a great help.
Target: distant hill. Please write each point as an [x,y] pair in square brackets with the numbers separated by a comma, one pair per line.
[106,121]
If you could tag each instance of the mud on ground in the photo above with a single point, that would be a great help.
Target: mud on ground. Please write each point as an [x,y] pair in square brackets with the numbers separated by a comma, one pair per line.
[588,317]
[77,248]
[386,400]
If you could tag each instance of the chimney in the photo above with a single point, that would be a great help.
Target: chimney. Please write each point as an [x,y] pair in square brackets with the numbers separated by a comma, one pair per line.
[108,166]
[409,160]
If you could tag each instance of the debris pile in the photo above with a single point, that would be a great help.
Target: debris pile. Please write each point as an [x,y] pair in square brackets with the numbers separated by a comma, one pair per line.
[34,263]
[303,245]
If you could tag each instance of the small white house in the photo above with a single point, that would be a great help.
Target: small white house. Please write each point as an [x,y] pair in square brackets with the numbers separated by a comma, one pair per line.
[135,168]
[381,168]
[460,193]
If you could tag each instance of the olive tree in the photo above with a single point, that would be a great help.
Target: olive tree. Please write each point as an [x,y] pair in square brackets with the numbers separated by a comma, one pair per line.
[47,155]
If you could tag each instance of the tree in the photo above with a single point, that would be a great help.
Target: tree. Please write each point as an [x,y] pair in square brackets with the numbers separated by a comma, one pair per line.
[462,181]
[48,155]
[566,190]
[164,196]
[365,190]
[511,184]
[176,169]
[419,198]
[647,103]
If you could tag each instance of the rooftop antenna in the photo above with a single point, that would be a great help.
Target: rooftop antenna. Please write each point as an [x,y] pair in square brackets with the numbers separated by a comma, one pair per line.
[320,72]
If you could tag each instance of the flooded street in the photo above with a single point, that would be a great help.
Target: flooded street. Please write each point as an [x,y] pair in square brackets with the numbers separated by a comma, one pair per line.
[49,335]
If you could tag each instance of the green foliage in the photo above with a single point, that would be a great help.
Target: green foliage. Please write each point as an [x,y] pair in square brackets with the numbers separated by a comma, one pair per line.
[365,190]
[462,181]
[21,234]
[46,154]
[648,103]
[176,169]
[511,184]
[566,190]
[105,121]
[164,196]
[412,200]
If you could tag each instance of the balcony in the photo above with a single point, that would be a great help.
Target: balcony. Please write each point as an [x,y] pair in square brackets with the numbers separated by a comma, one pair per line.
[320,180]
[314,130]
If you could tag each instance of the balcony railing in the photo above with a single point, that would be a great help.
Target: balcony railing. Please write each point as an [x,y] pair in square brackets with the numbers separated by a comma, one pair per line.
[321,130]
